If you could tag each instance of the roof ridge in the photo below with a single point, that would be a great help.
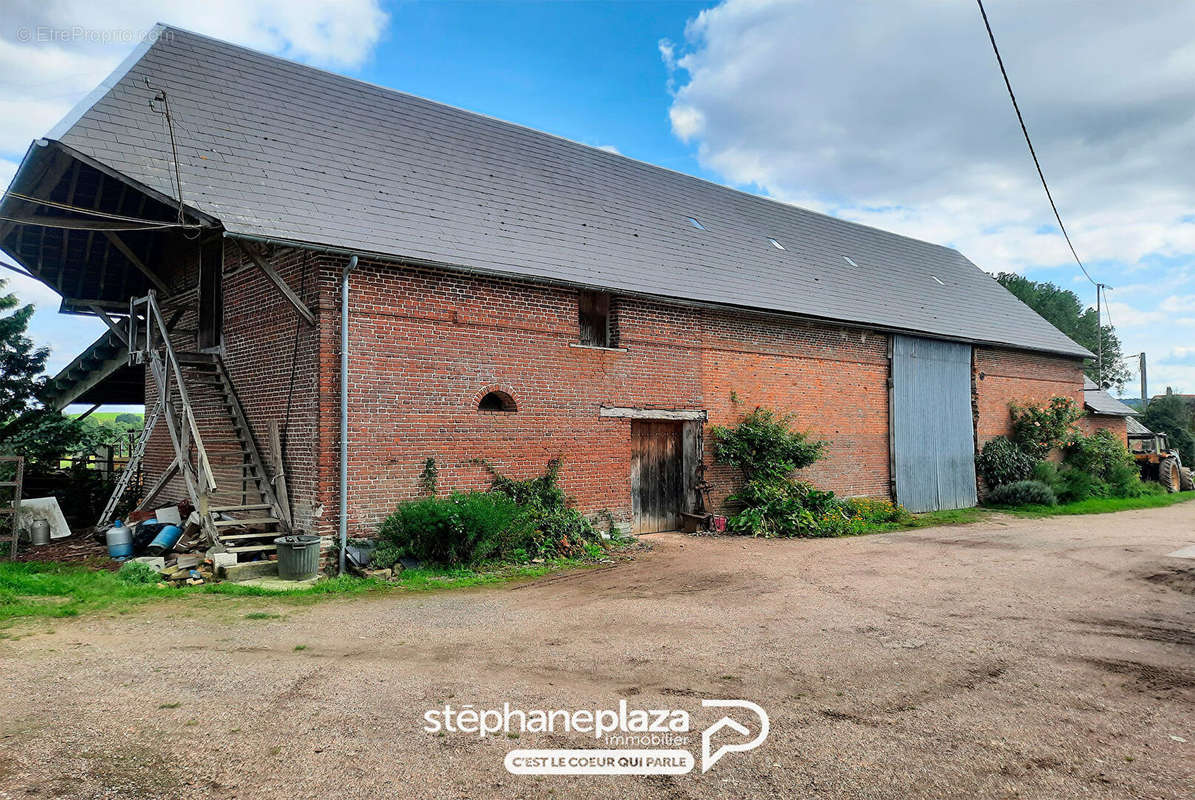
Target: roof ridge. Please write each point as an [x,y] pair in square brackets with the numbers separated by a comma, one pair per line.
[572,142]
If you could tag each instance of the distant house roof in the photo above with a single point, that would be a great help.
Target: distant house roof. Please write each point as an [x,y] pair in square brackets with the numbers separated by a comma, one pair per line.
[294,154]
[1135,428]
[1100,402]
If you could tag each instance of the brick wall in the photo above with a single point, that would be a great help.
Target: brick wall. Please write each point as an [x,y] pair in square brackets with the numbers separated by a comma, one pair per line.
[266,348]
[1005,376]
[1094,422]
[426,345]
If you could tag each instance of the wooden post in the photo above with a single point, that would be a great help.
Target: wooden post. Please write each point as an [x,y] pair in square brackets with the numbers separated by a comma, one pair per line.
[279,479]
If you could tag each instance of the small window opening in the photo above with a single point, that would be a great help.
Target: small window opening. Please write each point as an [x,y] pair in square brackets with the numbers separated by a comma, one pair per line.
[497,401]
[693,221]
[775,243]
[594,319]
[939,280]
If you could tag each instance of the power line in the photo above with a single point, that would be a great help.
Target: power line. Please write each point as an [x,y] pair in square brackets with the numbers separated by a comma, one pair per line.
[86,225]
[95,212]
[1029,142]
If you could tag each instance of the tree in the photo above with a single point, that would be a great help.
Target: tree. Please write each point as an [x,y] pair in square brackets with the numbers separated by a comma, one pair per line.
[1170,415]
[1063,309]
[27,427]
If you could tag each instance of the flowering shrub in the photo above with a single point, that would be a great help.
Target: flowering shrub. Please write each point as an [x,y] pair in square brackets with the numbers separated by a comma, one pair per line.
[1039,429]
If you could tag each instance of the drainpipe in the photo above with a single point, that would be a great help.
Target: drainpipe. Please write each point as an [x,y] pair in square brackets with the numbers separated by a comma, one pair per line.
[344,409]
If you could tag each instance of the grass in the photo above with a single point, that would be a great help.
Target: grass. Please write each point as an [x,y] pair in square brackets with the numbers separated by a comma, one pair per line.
[40,590]
[1102,505]
[107,416]
[934,519]
[1095,505]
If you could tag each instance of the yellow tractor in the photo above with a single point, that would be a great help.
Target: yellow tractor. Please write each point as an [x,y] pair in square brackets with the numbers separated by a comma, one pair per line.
[1156,460]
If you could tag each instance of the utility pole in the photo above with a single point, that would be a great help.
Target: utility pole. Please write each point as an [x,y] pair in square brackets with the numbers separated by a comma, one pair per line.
[1099,337]
[1144,393]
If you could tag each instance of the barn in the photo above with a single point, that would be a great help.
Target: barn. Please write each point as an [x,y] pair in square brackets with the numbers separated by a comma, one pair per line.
[507,297]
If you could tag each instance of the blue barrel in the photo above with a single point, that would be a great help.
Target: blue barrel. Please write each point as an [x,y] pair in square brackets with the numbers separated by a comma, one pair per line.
[119,541]
[165,541]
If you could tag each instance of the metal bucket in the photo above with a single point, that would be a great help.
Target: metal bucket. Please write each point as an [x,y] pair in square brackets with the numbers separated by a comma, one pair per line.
[298,557]
[39,532]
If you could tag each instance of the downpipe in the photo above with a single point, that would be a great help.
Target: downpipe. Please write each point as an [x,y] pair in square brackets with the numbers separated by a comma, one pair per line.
[344,410]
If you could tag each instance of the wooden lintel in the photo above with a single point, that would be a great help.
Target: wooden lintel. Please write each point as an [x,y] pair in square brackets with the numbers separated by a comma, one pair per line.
[119,244]
[279,283]
[652,413]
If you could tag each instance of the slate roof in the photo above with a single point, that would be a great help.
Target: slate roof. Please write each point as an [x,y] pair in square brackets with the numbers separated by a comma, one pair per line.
[1135,428]
[280,150]
[1100,402]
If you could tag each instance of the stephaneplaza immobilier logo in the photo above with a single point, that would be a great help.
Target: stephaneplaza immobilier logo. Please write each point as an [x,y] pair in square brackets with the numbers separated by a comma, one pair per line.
[648,741]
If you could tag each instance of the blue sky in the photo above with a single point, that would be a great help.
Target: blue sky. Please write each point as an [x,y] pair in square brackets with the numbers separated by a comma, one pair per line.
[888,114]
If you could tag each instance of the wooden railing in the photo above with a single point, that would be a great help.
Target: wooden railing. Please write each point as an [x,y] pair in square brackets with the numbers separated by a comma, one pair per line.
[158,353]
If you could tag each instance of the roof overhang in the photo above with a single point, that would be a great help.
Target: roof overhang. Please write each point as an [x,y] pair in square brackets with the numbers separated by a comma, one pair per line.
[88,232]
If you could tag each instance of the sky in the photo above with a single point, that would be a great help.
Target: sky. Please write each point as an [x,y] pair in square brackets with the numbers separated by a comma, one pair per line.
[888,113]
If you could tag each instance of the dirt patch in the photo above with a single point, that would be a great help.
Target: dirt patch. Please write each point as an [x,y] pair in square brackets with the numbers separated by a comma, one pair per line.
[1180,579]
[1149,677]
[933,663]
[1131,629]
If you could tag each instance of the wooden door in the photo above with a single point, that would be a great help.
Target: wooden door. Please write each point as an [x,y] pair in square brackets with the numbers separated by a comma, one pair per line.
[211,296]
[656,485]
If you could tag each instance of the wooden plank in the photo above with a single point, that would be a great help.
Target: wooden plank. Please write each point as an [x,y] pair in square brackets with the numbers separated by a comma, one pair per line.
[636,479]
[111,323]
[279,479]
[279,284]
[651,413]
[690,458]
[653,477]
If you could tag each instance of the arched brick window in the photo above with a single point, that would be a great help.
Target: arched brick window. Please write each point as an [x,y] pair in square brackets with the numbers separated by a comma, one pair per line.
[497,401]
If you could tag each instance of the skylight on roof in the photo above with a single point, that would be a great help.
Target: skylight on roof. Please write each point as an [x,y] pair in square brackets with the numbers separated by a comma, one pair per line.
[693,221]
[775,243]
[939,280]
[848,260]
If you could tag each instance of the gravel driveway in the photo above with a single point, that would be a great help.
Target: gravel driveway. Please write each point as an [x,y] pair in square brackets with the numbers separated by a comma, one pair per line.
[1013,658]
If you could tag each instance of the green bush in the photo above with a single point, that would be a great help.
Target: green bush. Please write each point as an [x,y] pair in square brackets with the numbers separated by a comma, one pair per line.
[137,572]
[786,508]
[1105,458]
[780,507]
[1001,461]
[385,555]
[1022,493]
[465,528]
[542,491]
[515,521]
[764,445]
[1039,429]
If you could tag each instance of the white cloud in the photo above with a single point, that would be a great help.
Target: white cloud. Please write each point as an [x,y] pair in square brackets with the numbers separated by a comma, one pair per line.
[53,52]
[895,115]
[609,148]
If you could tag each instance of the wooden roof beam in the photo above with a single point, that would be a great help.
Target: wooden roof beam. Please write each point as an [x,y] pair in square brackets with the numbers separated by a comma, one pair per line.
[279,283]
[119,244]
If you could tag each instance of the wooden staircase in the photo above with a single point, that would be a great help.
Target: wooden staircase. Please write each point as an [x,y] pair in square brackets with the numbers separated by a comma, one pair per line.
[241,513]
[215,452]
